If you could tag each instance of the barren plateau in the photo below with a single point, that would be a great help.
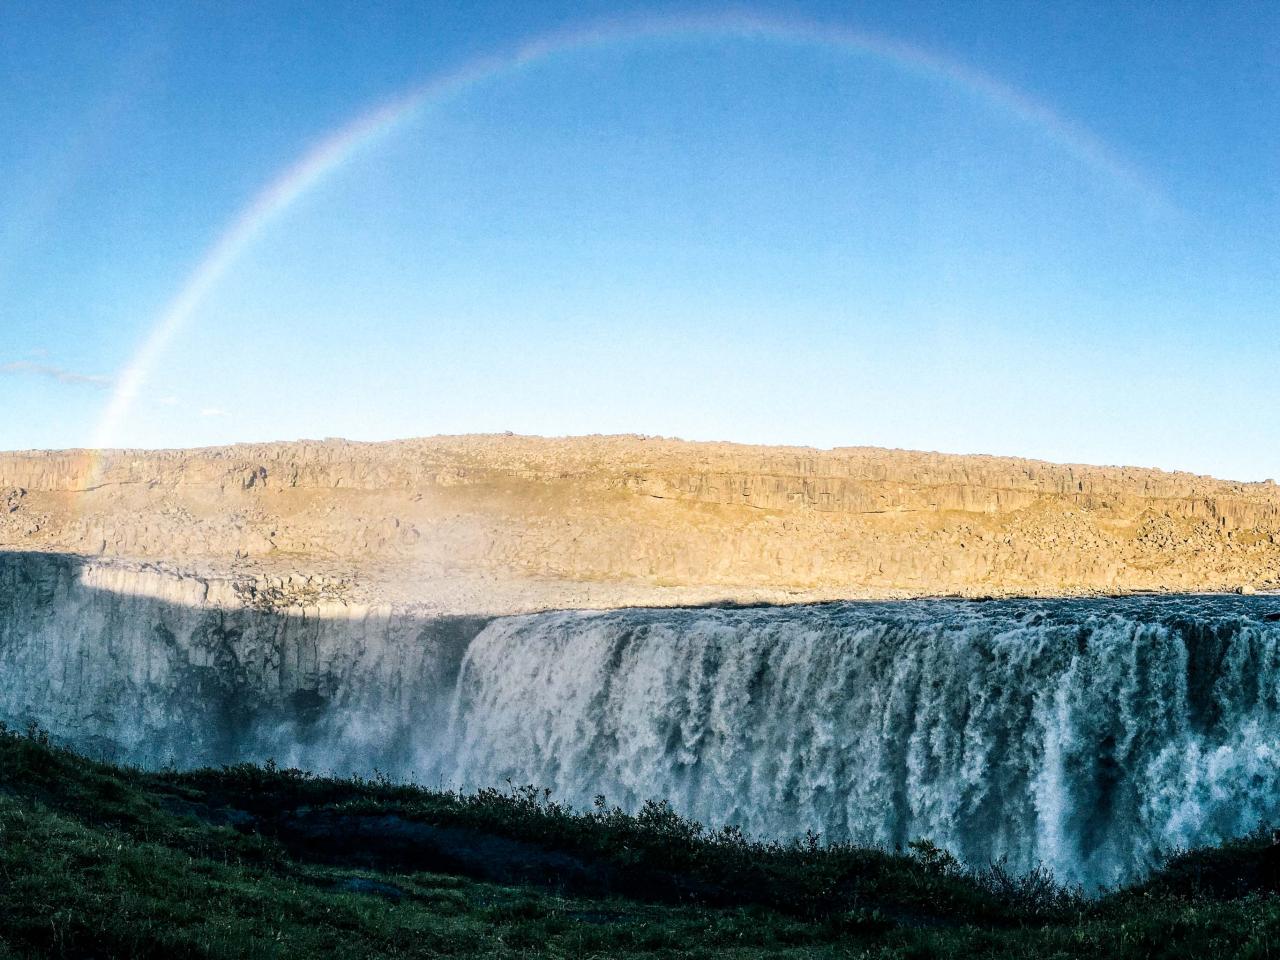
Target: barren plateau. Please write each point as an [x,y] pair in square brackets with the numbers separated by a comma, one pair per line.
[501,524]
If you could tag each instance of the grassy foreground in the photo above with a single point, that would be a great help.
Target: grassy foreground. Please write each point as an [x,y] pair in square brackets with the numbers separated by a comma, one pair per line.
[100,861]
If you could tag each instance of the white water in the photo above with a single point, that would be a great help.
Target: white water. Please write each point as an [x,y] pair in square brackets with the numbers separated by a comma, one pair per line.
[1086,735]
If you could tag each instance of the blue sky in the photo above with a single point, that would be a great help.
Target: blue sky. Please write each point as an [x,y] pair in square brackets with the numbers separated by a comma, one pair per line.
[711,233]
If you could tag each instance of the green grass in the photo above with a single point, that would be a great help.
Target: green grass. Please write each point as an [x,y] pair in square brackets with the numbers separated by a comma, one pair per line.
[101,861]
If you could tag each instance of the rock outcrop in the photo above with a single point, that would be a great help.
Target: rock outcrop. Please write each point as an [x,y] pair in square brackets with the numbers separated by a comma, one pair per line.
[500,524]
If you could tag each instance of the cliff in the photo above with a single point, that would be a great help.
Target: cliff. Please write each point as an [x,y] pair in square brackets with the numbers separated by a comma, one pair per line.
[499,524]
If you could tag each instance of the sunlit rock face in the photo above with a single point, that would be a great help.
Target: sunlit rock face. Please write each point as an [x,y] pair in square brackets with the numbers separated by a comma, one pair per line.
[499,524]
[1084,734]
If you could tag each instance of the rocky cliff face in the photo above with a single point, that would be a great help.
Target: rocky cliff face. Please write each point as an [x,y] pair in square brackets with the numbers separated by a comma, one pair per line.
[498,524]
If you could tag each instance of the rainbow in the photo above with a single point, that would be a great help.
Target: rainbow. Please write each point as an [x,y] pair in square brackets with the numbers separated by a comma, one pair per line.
[340,146]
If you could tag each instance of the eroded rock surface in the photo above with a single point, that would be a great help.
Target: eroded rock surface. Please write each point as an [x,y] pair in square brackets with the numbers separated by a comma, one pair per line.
[505,524]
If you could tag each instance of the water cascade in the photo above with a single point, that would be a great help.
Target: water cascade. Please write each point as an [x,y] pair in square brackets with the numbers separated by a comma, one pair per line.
[1085,734]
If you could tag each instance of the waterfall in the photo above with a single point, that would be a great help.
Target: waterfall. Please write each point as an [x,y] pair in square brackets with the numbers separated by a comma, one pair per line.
[1085,735]
[1088,735]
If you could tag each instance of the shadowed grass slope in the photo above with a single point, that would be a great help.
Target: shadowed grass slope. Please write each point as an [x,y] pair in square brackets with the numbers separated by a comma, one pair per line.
[102,861]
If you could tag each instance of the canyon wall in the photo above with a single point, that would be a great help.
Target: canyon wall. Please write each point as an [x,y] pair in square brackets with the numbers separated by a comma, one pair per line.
[503,524]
